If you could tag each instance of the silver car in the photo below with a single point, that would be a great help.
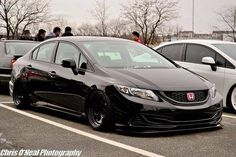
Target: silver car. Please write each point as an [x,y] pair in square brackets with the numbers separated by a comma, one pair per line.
[214,60]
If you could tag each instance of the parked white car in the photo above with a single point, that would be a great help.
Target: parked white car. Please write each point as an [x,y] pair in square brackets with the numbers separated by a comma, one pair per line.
[214,60]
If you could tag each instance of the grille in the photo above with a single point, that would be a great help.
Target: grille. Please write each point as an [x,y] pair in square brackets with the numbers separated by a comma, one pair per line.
[167,118]
[181,96]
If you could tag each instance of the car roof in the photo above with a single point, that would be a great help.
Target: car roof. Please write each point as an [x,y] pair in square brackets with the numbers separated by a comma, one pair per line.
[89,38]
[198,41]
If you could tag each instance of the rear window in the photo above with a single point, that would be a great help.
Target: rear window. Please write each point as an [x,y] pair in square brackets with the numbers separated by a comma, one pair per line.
[19,48]
[173,52]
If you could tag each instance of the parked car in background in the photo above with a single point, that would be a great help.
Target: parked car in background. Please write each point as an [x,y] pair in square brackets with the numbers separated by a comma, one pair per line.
[214,60]
[115,81]
[10,51]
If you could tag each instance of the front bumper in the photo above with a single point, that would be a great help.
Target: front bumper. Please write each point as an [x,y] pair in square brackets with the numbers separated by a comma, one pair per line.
[145,115]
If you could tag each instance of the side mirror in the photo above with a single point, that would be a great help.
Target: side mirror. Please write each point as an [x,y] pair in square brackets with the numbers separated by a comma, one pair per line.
[69,63]
[209,61]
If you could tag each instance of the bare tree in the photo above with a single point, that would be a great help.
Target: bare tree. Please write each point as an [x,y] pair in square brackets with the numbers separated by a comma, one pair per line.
[87,29]
[17,15]
[101,13]
[148,15]
[228,17]
[116,27]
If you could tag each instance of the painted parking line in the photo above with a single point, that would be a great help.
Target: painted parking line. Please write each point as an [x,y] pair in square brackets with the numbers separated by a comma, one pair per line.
[228,116]
[83,133]
[8,102]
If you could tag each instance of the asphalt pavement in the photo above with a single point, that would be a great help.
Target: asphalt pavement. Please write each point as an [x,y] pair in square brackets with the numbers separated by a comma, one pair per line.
[43,128]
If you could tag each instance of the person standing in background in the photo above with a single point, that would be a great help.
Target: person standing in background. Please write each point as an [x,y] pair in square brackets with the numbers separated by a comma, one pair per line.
[136,37]
[26,35]
[41,35]
[67,32]
[56,33]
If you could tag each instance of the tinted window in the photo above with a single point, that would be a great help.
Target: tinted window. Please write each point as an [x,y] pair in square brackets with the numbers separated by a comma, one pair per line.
[67,51]
[159,50]
[195,53]
[173,52]
[229,65]
[45,52]
[220,61]
[18,48]
[82,60]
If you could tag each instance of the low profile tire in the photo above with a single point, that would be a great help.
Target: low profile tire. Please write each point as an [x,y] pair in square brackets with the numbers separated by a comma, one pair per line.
[20,98]
[232,99]
[99,112]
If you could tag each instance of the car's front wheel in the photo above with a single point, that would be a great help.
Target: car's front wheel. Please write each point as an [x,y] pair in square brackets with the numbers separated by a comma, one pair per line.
[20,98]
[99,112]
[233,99]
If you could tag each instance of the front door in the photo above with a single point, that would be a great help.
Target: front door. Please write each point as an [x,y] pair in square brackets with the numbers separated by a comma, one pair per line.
[68,88]
[193,62]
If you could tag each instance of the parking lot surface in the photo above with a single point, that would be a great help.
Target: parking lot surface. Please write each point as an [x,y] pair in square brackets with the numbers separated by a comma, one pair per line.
[42,128]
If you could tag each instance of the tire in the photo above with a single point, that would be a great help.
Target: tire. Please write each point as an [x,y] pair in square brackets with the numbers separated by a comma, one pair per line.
[99,112]
[20,98]
[232,99]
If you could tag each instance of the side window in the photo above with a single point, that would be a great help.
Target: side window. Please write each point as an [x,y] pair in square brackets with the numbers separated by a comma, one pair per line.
[45,52]
[159,50]
[229,65]
[82,60]
[195,53]
[220,61]
[35,53]
[173,52]
[67,51]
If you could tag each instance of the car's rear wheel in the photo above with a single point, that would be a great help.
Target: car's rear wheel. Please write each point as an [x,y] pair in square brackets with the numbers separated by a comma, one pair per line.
[20,98]
[99,112]
[233,99]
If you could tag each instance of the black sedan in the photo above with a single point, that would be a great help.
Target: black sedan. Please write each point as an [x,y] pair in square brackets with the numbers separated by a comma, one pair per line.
[10,51]
[115,82]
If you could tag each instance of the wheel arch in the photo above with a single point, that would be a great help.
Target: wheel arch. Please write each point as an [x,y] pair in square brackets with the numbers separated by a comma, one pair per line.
[229,94]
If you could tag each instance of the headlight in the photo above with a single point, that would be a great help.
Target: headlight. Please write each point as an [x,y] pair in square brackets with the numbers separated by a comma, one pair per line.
[140,93]
[213,91]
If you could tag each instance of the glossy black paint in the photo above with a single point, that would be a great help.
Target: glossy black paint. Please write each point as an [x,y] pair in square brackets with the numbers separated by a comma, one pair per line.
[60,86]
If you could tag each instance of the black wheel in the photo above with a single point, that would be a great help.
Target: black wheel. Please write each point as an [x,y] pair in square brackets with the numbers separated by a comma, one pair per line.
[231,101]
[20,98]
[99,112]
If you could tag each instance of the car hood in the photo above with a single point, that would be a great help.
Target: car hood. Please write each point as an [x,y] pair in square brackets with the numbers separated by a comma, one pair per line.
[175,79]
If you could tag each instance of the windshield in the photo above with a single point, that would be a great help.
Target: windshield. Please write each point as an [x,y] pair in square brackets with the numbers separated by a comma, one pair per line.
[229,49]
[19,48]
[117,54]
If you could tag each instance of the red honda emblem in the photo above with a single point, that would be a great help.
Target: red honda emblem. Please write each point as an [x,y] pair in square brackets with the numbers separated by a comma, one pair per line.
[191,96]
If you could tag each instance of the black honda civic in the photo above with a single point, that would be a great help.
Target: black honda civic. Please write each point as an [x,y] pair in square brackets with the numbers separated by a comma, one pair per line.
[115,82]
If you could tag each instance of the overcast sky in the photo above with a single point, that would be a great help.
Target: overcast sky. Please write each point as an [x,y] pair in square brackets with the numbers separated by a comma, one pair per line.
[79,11]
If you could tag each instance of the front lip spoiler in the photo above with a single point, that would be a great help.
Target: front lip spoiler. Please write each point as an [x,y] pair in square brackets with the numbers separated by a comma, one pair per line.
[138,131]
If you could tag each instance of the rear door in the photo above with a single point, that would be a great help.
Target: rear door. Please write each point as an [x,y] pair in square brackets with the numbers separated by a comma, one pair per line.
[39,80]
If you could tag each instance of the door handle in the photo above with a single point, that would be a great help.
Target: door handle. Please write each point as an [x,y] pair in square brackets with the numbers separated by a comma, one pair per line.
[52,74]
